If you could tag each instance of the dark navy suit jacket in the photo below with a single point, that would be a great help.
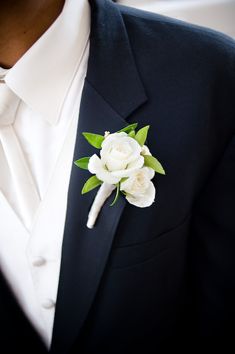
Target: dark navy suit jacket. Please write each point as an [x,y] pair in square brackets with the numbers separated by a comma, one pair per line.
[147,279]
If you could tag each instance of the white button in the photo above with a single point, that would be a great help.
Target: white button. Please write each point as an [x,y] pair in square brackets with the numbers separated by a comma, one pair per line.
[38,261]
[48,304]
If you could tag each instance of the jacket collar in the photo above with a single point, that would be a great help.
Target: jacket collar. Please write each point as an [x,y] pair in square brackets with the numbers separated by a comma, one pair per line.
[112,69]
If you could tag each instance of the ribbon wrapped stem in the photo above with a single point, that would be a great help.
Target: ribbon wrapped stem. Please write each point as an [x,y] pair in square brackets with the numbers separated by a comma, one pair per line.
[103,193]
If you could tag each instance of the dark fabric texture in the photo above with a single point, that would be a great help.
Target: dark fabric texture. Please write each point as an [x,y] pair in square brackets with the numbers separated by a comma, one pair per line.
[158,278]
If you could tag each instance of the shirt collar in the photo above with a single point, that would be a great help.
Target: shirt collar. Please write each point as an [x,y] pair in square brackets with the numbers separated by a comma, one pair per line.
[42,76]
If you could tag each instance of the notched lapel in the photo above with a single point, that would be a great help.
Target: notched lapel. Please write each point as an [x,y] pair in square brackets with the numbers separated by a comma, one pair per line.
[85,251]
[107,100]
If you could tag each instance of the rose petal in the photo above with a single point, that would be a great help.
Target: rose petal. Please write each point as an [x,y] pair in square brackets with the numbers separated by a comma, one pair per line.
[145,150]
[150,172]
[96,167]
[107,177]
[132,167]
[94,164]
[115,165]
[143,200]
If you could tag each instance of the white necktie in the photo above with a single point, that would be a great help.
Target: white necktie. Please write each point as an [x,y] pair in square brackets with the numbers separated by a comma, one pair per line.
[21,193]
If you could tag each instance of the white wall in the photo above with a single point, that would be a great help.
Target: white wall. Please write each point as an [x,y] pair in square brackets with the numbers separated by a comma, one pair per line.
[216,14]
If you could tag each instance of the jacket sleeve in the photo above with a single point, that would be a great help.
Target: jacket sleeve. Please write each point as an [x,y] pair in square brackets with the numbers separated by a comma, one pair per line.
[212,255]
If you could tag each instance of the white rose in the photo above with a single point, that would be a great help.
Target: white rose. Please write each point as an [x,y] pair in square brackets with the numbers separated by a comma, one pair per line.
[139,189]
[120,156]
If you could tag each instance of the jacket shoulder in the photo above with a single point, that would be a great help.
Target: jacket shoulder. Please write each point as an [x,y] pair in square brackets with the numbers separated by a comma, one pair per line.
[179,35]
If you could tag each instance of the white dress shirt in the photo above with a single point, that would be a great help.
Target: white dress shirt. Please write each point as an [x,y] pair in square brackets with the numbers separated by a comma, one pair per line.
[48,79]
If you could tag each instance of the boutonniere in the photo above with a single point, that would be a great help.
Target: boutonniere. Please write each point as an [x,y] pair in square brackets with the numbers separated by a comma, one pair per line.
[124,163]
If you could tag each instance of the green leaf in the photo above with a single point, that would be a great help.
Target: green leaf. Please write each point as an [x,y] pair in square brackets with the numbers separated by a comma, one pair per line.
[94,139]
[141,135]
[82,163]
[131,134]
[128,128]
[123,179]
[117,194]
[153,163]
[90,184]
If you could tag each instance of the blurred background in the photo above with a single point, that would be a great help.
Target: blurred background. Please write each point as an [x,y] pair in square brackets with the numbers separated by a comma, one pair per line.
[216,14]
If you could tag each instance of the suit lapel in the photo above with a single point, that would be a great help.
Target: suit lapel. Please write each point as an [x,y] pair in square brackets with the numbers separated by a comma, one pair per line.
[112,90]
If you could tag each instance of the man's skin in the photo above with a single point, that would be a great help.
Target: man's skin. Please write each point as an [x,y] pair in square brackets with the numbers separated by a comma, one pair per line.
[22,22]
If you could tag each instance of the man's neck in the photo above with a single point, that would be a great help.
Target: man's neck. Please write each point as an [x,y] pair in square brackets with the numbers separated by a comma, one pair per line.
[22,22]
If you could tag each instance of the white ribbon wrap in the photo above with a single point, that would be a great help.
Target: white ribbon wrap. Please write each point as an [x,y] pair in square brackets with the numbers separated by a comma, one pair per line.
[103,193]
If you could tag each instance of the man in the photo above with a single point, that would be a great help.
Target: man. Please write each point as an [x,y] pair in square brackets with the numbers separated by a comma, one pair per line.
[143,279]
